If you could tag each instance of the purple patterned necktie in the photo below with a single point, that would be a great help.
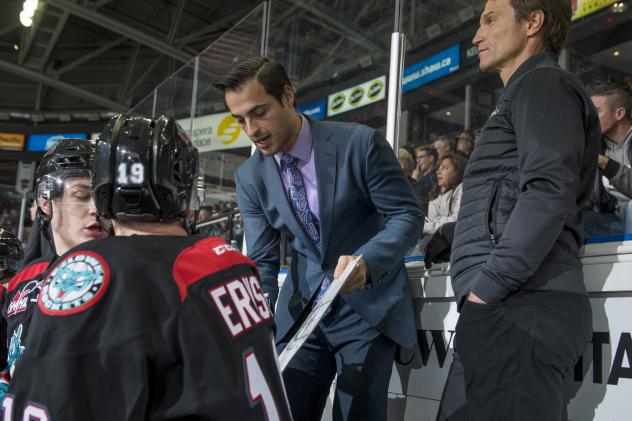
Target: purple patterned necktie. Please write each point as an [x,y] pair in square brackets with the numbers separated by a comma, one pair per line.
[298,198]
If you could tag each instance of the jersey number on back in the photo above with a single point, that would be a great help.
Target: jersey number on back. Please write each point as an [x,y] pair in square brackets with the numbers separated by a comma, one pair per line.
[32,412]
[258,389]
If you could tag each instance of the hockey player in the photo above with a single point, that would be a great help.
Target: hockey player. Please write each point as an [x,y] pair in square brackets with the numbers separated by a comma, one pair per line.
[11,254]
[66,217]
[152,324]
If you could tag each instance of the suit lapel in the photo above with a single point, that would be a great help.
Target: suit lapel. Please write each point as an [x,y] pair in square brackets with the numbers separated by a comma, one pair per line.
[325,154]
[273,182]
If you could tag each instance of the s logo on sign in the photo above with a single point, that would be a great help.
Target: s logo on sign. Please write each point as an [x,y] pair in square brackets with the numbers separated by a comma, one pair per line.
[228,130]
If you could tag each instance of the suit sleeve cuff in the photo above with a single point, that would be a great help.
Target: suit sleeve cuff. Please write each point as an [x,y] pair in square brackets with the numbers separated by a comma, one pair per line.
[487,289]
[612,168]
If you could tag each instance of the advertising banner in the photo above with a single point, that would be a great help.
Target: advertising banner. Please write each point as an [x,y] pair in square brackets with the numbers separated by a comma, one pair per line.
[43,142]
[12,141]
[357,96]
[215,132]
[315,109]
[582,8]
[598,387]
[431,68]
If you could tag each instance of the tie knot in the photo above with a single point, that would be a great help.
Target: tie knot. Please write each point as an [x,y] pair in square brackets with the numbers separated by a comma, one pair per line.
[288,160]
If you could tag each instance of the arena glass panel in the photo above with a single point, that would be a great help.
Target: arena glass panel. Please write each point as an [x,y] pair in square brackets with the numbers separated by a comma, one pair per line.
[146,105]
[446,94]
[337,56]
[174,96]
[223,145]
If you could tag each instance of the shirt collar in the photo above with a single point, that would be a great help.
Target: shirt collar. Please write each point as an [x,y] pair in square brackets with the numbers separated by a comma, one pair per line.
[302,148]
[532,62]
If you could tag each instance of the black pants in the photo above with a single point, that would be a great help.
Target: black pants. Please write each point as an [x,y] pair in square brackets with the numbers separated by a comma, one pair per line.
[515,354]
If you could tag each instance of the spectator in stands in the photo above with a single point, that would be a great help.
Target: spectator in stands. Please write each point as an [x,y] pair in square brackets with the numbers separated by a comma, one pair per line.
[465,142]
[447,193]
[204,215]
[613,102]
[407,164]
[425,173]
[443,145]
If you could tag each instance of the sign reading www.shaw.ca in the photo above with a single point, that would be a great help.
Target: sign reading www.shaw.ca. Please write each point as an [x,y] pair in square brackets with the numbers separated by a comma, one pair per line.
[431,68]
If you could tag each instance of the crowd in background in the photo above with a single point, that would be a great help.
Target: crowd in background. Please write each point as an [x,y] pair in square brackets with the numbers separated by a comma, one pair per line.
[222,220]
[436,176]
[9,212]
[435,170]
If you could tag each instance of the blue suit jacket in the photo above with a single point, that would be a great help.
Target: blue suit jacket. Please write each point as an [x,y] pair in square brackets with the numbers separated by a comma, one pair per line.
[366,207]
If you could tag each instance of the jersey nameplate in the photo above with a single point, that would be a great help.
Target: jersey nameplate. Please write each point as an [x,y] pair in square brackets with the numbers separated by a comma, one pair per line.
[241,304]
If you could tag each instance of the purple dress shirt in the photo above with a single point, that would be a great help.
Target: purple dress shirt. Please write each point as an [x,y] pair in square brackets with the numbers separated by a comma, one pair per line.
[303,151]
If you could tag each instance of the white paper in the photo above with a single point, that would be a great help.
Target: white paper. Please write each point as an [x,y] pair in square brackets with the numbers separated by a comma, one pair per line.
[316,314]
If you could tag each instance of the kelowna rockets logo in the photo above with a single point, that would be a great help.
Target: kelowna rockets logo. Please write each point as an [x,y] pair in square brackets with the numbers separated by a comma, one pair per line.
[74,285]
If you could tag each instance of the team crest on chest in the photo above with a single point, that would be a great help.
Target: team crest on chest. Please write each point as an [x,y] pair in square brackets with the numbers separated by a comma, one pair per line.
[75,284]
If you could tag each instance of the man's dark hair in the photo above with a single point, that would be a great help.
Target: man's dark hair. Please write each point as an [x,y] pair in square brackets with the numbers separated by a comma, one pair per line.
[269,73]
[447,141]
[428,150]
[557,19]
[619,95]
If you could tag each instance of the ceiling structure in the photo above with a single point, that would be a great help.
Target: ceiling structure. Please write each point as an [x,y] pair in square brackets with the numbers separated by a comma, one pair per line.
[81,60]
[84,58]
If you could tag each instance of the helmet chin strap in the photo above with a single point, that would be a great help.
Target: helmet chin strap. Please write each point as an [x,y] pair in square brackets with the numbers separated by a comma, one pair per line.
[45,222]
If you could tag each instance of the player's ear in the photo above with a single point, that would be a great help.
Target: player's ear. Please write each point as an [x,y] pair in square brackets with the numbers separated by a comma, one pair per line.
[44,205]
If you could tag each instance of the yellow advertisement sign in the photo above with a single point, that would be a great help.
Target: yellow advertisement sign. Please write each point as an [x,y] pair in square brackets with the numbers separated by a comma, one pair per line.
[582,8]
[215,132]
[12,141]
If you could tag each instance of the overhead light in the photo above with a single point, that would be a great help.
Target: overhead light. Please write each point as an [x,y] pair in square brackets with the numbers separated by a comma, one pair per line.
[619,7]
[16,46]
[448,113]
[28,11]
[616,53]
[25,19]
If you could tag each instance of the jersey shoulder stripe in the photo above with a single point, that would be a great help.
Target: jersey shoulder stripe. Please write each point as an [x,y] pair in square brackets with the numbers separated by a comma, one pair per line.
[204,258]
[26,274]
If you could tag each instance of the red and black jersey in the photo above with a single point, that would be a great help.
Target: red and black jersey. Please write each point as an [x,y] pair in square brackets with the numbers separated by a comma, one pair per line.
[150,328]
[20,299]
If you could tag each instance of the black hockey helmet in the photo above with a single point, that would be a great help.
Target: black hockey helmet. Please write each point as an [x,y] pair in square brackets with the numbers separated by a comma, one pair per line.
[68,158]
[11,255]
[146,169]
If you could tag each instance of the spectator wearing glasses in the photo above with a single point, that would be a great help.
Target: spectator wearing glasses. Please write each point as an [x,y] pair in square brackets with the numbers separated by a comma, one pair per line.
[465,142]
[425,173]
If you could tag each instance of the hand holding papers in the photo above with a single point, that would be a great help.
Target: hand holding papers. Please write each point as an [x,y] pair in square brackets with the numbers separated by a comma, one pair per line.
[317,313]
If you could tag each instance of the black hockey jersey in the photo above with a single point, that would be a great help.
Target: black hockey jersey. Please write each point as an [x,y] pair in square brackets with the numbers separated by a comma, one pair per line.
[149,328]
[21,297]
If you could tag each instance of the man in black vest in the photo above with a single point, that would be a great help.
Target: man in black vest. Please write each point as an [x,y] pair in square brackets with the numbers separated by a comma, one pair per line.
[525,314]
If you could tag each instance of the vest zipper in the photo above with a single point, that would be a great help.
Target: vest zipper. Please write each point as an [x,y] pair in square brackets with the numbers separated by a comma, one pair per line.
[491,218]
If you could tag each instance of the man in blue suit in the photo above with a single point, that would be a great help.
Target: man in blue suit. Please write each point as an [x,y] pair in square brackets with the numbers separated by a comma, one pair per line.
[336,190]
